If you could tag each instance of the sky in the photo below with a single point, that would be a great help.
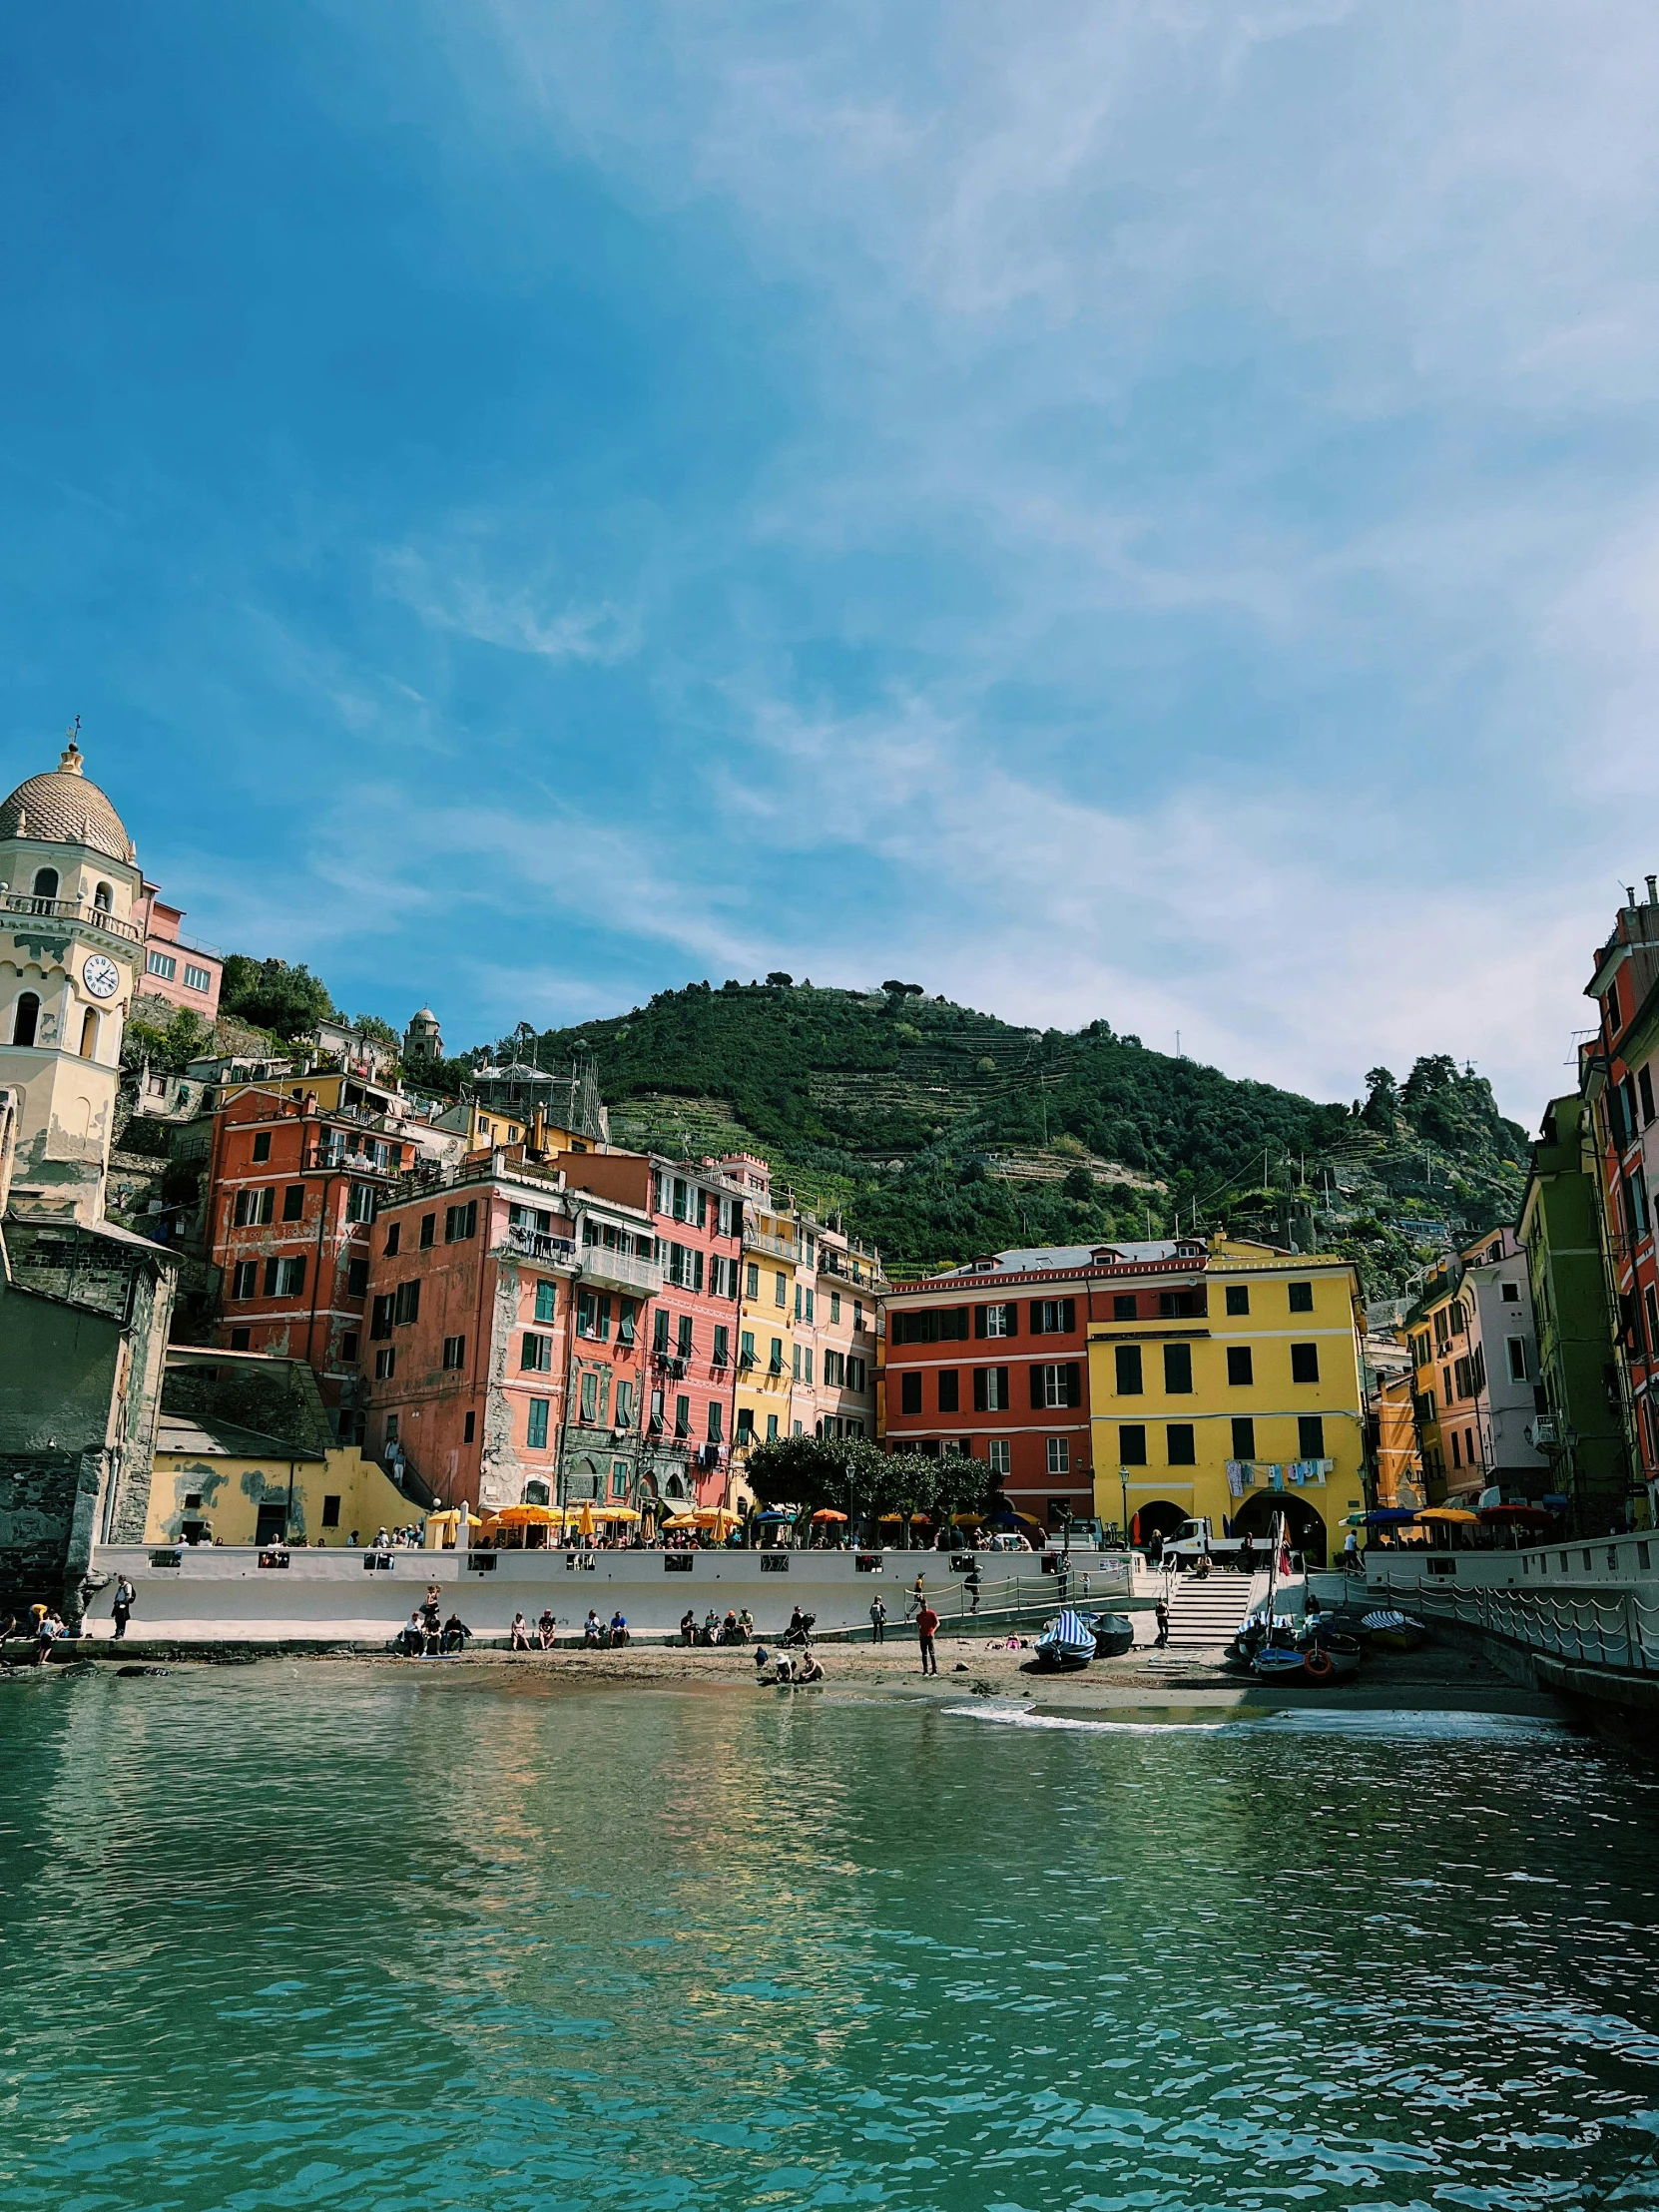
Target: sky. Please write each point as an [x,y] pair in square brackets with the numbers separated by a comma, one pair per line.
[1132,510]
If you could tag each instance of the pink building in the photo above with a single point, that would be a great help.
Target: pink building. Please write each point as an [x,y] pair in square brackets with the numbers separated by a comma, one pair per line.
[171,966]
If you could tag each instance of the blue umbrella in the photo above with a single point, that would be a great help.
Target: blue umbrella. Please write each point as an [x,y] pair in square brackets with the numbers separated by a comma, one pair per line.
[775,1513]
[1389,1517]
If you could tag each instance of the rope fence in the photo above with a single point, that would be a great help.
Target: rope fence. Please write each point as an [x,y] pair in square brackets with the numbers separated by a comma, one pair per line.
[1618,1630]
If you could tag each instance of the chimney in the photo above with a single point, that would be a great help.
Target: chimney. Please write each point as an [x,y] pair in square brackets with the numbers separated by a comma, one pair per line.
[1630,895]
[1653,890]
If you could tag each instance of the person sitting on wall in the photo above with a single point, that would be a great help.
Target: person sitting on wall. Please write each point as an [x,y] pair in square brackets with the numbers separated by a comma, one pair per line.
[591,1630]
[455,1633]
[729,1633]
[545,1627]
[413,1638]
[746,1625]
[711,1621]
[522,1633]
[619,1629]
[688,1628]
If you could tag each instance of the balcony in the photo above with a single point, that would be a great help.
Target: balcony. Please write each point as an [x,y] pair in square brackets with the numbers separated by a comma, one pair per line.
[759,1240]
[535,1243]
[610,1269]
[335,1159]
[69,909]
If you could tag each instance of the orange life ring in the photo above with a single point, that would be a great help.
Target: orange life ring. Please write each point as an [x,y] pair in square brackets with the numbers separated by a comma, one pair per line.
[1319,1666]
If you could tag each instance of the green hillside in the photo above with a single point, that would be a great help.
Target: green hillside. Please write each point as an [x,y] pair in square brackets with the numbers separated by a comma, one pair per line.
[939,1132]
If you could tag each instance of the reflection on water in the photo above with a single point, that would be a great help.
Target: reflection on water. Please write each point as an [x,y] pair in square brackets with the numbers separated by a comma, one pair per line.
[335,1937]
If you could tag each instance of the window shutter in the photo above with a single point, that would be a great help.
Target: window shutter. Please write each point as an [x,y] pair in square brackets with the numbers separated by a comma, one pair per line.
[1074,1382]
[981,1377]
[980,1320]
[1068,1315]
[1036,1385]
[697,1270]
[1010,1315]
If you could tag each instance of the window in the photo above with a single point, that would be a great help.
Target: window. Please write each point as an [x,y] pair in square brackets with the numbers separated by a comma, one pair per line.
[723,1342]
[1516,1348]
[1238,1298]
[682,1349]
[460,1222]
[1243,1437]
[330,1513]
[469,1428]
[360,1202]
[746,1427]
[809,1296]
[949,1381]
[240,1338]
[1179,1440]
[999,1455]
[244,1279]
[990,1389]
[627,1313]
[196,978]
[535,1425]
[89,1035]
[854,1373]
[947,1325]
[593,1315]
[454,1351]
[293,1201]
[1053,1317]
[1059,1455]
[800,1298]
[746,1347]
[797,1353]
[1301,1298]
[261,1145]
[834,1305]
[162,964]
[386,1366]
[46,883]
[1240,1367]
[1651,1297]
[659,1332]
[253,1207]
[1059,1385]
[348,1348]
[536,1353]
[391,1429]
[590,1397]
[1178,1370]
[356,1277]
[1179,1305]
[771,1428]
[547,1301]
[1131,1444]
[681,1417]
[781,1290]
[716,1421]
[1644,1086]
[1123,1305]
[27,1020]
[624,1403]
[284,1277]
[1510,1292]
[909,1392]
[996,1321]
[752,1281]
[104,899]
[1305,1364]
[407,1303]
[394,1237]
[379,1320]
[428,1231]
[1128,1359]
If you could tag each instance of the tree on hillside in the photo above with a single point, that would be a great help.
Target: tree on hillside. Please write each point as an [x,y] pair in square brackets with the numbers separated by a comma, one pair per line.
[272,995]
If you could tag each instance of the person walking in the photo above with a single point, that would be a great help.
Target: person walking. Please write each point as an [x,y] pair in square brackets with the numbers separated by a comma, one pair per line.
[927,1627]
[918,1597]
[973,1587]
[46,1635]
[124,1599]
[877,1621]
[1160,1613]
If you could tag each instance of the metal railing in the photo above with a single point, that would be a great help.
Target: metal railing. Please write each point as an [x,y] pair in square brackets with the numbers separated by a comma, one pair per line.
[1618,1629]
[69,909]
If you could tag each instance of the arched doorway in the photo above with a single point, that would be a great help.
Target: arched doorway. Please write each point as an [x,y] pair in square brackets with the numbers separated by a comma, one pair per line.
[1153,1522]
[1257,1515]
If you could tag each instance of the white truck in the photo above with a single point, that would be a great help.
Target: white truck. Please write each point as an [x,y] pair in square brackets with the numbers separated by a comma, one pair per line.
[1196,1540]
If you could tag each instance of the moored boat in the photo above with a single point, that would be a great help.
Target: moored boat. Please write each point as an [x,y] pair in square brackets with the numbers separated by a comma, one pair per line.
[1067,1641]
[1114,1634]
[1389,1631]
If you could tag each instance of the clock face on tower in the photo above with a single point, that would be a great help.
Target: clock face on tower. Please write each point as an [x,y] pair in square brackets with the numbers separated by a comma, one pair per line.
[101,975]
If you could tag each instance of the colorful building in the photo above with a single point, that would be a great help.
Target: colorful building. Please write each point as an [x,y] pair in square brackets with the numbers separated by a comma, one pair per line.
[846,1291]
[1476,1383]
[767,1359]
[1581,1430]
[175,967]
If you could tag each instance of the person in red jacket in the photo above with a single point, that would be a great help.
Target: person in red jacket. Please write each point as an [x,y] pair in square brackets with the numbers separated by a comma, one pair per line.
[927,1627]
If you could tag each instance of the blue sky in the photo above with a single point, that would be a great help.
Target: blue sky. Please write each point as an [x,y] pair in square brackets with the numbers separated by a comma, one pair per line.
[1143,510]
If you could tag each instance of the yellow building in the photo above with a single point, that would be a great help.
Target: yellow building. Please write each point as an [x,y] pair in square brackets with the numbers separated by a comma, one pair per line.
[215,1482]
[1227,1385]
[766,1328]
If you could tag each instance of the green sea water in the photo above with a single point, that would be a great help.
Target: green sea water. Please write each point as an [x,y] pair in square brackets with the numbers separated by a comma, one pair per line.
[333,1936]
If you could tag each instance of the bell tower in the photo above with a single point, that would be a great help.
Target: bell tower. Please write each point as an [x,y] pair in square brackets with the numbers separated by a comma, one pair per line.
[69,956]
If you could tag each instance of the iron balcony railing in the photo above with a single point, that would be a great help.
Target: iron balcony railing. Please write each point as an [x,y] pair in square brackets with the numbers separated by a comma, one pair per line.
[535,1243]
[69,909]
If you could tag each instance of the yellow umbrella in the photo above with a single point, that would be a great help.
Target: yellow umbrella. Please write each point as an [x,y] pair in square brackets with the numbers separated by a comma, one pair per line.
[1447,1513]
[682,1521]
[529,1516]
[966,1520]
[616,1512]
[716,1516]
[584,1519]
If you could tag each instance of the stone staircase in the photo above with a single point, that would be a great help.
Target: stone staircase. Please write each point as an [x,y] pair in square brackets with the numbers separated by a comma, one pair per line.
[1207,1613]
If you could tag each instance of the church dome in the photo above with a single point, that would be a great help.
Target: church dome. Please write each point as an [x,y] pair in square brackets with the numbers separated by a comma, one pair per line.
[64,808]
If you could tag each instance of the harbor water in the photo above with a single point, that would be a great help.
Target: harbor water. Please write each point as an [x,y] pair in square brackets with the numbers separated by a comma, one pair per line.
[336,1935]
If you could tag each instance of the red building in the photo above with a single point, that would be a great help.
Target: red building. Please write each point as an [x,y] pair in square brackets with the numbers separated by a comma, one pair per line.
[507,1334]
[697,1226]
[292,1193]
[991,1361]
[1619,1074]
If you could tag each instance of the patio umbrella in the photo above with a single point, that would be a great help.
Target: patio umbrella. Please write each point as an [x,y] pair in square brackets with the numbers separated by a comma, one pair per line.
[966,1520]
[775,1513]
[828,1514]
[1383,1516]
[616,1513]
[584,1522]
[682,1521]
[528,1516]
[1452,1515]
[897,1519]
[1502,1514]
[716,1516]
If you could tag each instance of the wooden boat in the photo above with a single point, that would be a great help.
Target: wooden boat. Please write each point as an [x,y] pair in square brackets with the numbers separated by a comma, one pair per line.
[1114,1634]
[1389,1631]
[1067,1641]
[1280,1663]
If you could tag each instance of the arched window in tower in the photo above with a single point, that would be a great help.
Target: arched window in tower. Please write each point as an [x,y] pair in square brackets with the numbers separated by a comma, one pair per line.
[89,1035]
[46,883]
[103,898]
[27,1019]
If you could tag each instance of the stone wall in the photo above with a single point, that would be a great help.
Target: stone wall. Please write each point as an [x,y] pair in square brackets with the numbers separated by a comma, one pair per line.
[47,1500]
